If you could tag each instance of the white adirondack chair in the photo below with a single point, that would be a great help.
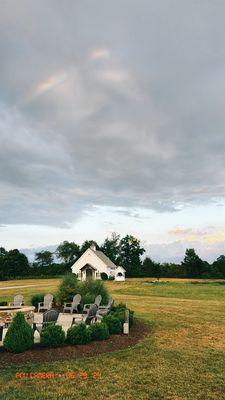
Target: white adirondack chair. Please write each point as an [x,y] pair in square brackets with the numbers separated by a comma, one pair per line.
[71,307]
[18,301]
[103,310]
[97,302]
[47,303]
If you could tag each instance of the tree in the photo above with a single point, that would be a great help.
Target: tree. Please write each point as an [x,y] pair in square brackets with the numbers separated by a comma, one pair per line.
[194,266]
[151,268]
[218,270]
[130,253]
[3,252]
[68,251]
[88,244]
[111,247]
[43,258]
[15,264]
[171,270]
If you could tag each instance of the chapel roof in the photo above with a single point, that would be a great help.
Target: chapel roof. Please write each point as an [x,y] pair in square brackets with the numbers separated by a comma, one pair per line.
[105,259]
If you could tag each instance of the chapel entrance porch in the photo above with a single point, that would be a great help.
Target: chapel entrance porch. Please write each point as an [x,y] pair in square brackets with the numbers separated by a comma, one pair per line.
[88,272]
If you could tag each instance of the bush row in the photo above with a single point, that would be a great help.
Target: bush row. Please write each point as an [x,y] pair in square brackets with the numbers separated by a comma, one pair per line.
[20,337]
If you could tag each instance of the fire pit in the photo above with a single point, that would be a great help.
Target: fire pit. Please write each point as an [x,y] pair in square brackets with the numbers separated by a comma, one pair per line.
[8,312]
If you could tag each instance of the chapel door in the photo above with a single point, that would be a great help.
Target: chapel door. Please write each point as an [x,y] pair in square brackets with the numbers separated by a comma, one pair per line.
[89,273]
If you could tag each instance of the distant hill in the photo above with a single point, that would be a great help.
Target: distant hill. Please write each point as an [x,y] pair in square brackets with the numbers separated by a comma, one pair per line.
[30,253]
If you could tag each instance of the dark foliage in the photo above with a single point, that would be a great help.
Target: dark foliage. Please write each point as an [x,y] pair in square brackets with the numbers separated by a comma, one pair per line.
[67,289]
[98,331]
[114,324]
[104,276]
[119,312]
[19,336]
[78,334]
[52,336]
[92,288]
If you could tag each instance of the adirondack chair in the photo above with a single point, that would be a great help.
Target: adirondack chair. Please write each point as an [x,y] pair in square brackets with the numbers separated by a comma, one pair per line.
[103,310]
[87,318]
[47,303]
[49,317]
[18,301]
[97,302]
[71,307]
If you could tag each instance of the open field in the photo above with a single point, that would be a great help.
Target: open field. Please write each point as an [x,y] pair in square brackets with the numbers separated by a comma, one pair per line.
[184,358]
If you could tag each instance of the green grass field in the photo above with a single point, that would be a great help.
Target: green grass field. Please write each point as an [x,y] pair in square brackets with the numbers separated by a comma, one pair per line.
[184,358]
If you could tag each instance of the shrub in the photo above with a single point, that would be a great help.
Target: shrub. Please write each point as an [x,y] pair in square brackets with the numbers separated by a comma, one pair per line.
[119,312]
[98,331]
[52,336]
[3,303]
[88,298]
[90,289]
[104,276]
[114,324]
[111,278]
[67,289]
[37,298]
[78,334]
[19,336]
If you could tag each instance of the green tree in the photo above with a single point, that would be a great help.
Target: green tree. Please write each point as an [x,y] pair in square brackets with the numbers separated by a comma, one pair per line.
[88,244]
[218,269]
[151,268]
[171,270]
[19,337]
[16,264]
[194,266]
[111,247]
[43,258]
[130,255]
[68,251]
[3,252]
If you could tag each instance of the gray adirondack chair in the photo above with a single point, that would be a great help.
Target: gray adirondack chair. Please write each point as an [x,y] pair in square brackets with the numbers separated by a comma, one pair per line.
[49,317]
[17,301]
[97,302]
[87,318]
[71,307]
[103,310]
[47,303]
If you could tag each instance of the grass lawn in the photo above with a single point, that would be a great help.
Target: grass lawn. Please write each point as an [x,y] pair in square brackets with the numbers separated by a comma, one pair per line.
[184,358]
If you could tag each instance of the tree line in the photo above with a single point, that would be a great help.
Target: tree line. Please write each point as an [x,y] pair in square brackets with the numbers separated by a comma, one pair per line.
[126,251]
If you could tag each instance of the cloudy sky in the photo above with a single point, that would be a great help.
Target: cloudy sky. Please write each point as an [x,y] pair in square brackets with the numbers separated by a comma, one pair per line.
[112,118]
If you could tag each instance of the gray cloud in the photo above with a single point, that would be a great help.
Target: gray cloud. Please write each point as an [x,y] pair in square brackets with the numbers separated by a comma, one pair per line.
[110,103]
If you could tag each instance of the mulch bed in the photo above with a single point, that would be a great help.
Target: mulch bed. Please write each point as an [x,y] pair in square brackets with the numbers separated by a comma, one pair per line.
[138,331]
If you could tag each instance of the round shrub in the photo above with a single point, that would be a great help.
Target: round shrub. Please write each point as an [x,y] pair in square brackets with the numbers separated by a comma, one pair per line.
[67,289]
[111,278]
[52,336]
[19,336]
[98,331]
[114,324]
[104,276]
[78,334]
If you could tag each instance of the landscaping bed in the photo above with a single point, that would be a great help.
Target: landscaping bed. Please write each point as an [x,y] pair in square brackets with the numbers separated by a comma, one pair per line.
[39,354]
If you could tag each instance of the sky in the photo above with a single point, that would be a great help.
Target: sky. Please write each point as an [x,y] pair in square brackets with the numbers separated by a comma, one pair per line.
[112,120]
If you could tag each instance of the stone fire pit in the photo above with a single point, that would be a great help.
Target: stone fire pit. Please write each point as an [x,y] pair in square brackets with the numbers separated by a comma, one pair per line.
[8,312]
